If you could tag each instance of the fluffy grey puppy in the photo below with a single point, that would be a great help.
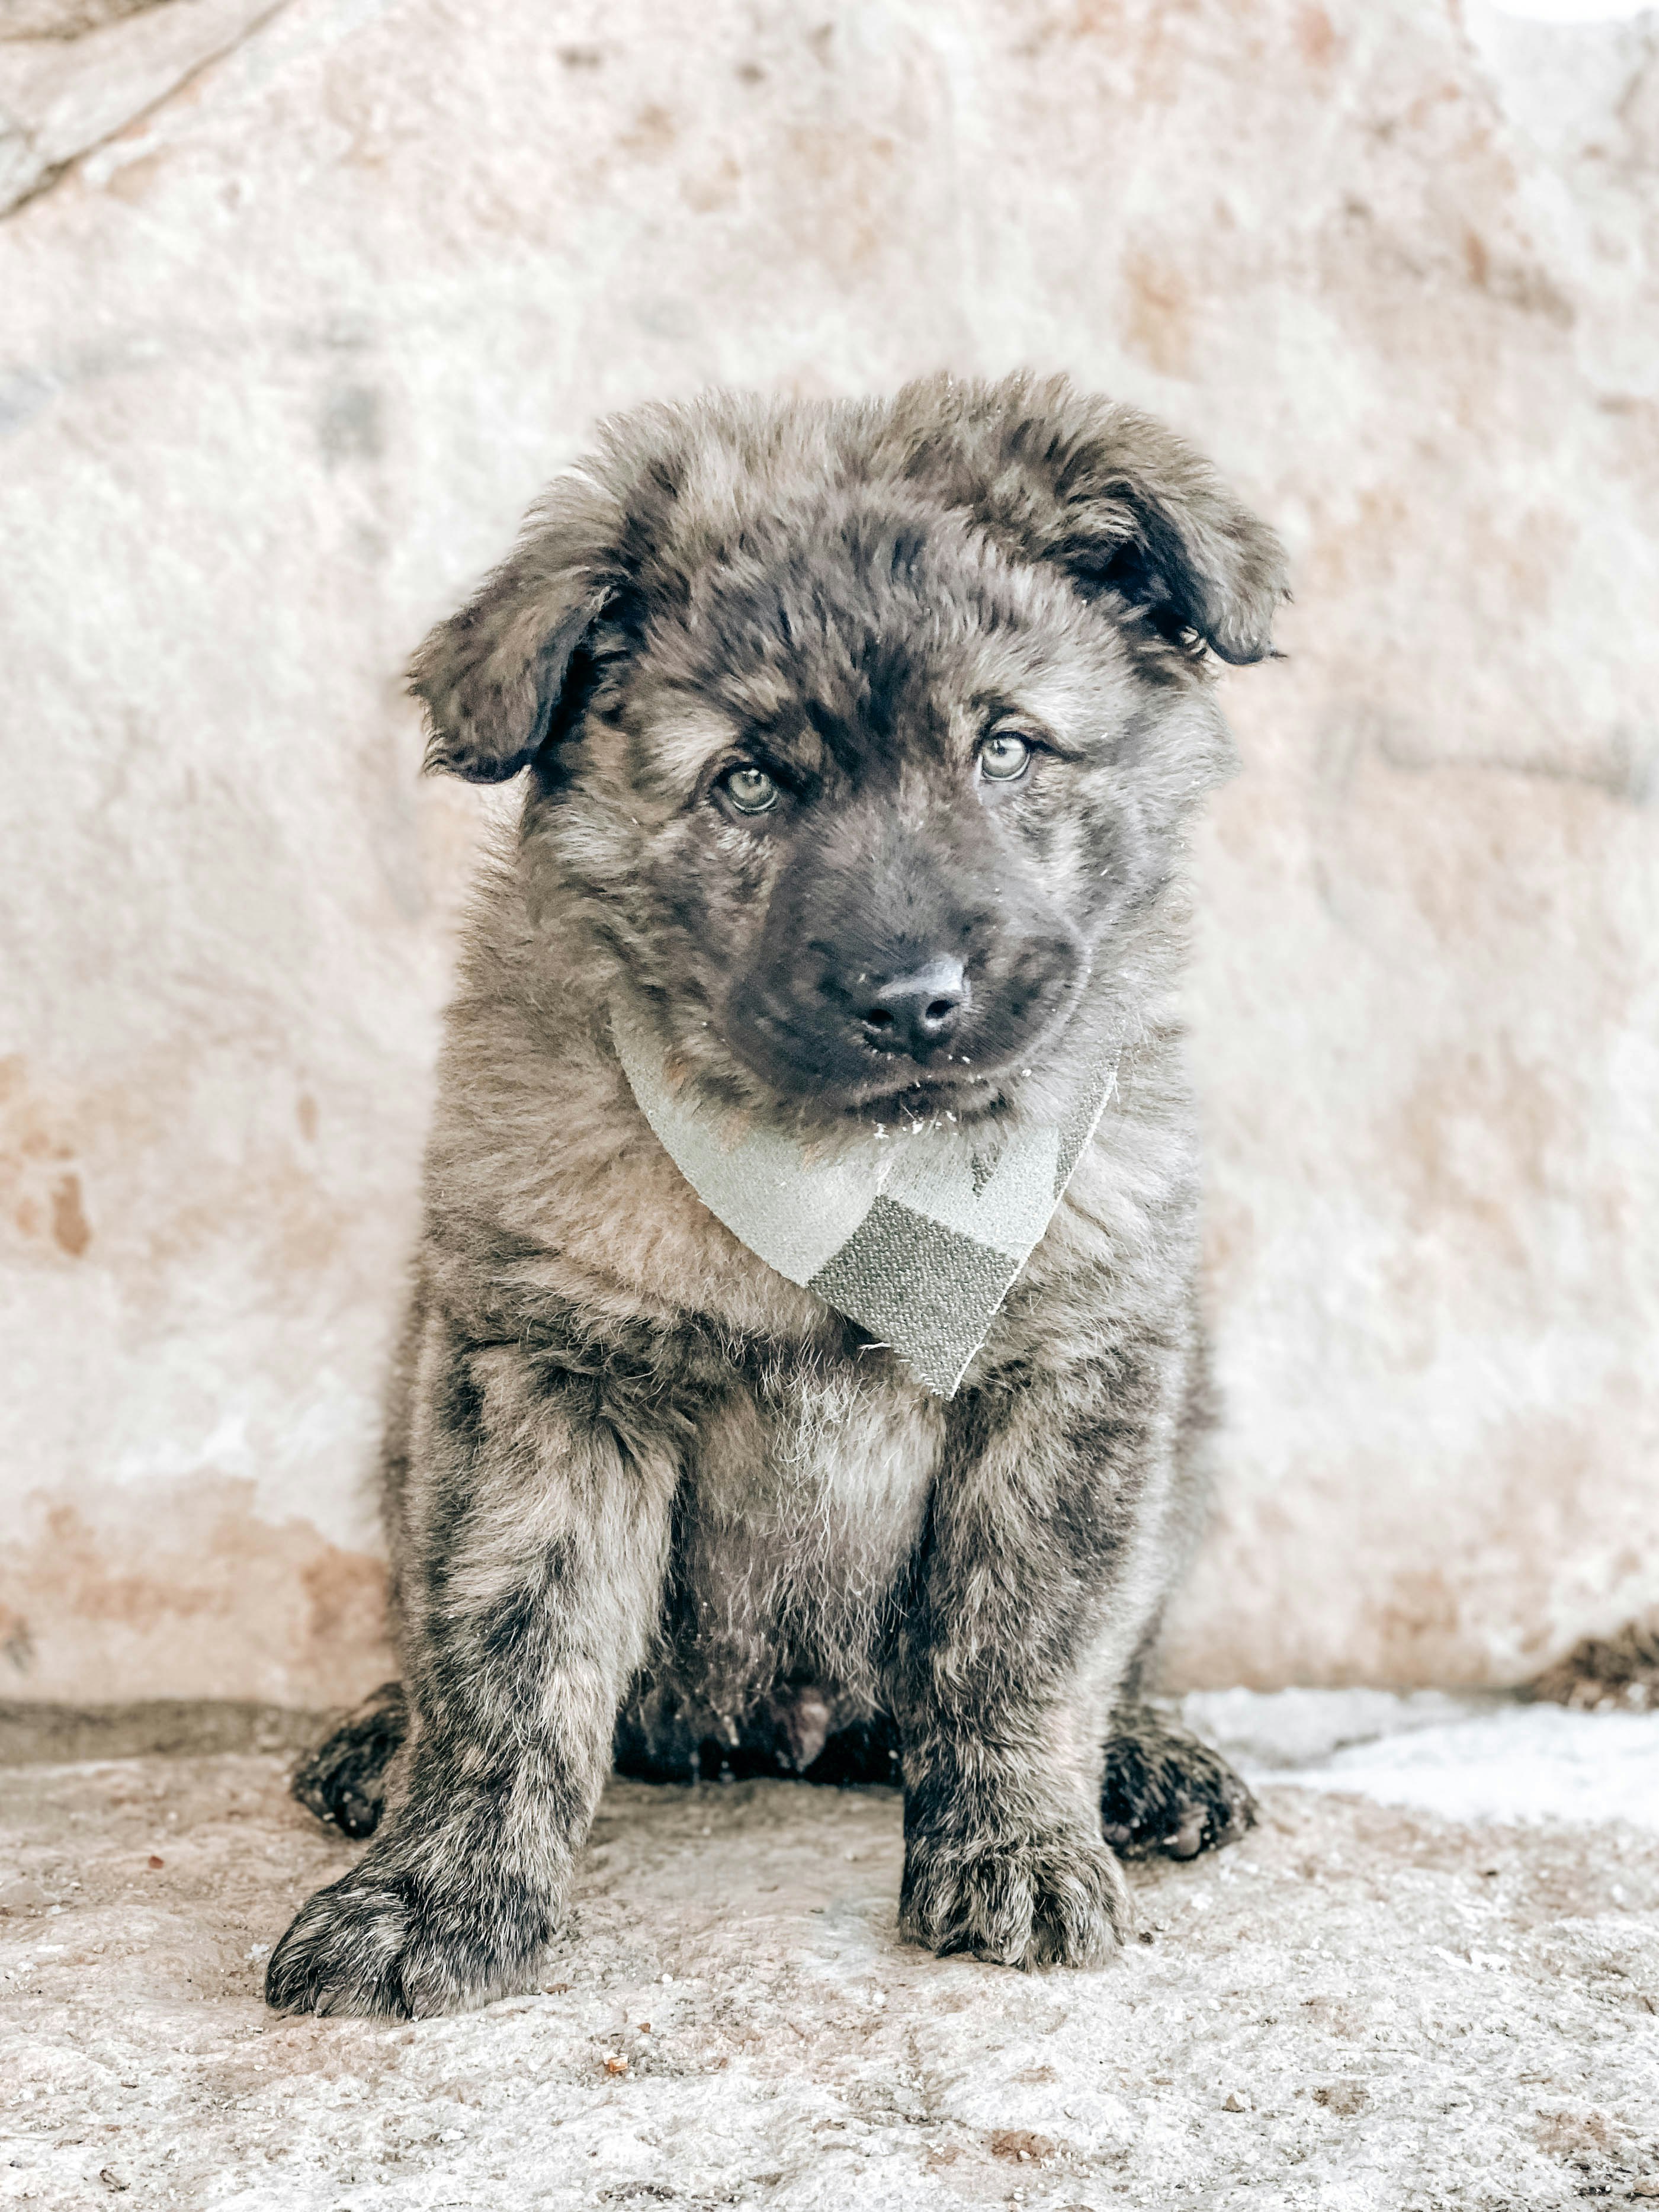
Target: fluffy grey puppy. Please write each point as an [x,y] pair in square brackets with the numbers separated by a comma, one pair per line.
[860,740]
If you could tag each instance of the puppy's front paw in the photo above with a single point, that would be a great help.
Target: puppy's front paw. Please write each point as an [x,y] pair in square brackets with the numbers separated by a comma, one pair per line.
[1056,1899]
[1165,1791]
[374,1945]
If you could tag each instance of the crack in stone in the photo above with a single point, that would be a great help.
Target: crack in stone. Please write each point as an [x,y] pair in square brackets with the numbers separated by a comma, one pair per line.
[62,22]
[56,172]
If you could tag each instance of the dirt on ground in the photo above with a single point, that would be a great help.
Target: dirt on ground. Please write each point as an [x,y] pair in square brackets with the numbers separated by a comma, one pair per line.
[1357,2007]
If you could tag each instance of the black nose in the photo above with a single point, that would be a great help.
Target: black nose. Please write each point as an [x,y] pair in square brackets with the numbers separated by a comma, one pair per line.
[914,1012]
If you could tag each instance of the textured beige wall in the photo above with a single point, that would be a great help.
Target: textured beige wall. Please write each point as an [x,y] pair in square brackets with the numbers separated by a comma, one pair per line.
[302,302]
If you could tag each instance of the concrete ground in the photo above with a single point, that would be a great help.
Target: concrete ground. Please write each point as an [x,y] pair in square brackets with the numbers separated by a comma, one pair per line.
[1363,2005]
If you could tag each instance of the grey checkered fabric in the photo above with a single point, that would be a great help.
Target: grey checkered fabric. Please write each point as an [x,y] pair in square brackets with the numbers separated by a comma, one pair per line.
[912,1235]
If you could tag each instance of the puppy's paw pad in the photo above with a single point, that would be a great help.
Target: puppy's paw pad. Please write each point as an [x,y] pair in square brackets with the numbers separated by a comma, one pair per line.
[1165,1792]
[1056,1899]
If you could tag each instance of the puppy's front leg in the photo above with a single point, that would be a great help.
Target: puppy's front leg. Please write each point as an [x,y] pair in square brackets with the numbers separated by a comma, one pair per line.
[533,1537]
[1032,1593]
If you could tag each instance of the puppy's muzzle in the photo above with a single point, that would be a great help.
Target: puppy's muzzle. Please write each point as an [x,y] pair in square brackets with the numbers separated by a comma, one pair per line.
[912,1015]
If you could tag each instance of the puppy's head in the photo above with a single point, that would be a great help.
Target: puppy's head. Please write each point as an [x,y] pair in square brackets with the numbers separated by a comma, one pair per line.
[858,731]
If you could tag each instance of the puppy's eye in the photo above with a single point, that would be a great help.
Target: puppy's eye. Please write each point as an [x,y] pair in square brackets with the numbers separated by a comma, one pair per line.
[751,790]
[1004,756]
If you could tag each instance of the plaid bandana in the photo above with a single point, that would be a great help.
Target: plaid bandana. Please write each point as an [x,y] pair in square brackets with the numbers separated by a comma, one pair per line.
[912,1235]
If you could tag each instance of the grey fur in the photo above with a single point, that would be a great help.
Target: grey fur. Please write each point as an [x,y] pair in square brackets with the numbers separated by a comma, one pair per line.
[644,1495]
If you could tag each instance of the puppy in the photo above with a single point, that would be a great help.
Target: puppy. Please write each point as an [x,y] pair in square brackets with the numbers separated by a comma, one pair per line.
[860,741]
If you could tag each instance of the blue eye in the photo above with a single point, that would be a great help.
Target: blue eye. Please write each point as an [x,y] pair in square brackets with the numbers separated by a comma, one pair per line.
[751,790]
[1004,757]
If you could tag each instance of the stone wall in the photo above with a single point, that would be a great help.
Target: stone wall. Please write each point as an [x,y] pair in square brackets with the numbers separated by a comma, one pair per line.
[303,301]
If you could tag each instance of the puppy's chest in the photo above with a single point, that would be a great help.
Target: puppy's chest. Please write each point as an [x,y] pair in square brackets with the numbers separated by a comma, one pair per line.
[804,1508]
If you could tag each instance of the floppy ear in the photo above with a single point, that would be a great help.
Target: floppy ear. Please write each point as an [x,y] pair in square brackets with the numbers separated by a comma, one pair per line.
[508,676]
[1127,508]
[1147,519]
